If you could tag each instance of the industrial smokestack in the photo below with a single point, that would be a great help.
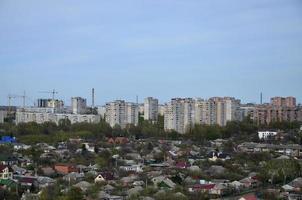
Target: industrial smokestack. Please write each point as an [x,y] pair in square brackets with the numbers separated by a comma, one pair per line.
[92,98]
[261,98]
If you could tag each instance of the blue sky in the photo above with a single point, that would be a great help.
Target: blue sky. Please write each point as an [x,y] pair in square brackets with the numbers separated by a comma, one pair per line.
[161,48]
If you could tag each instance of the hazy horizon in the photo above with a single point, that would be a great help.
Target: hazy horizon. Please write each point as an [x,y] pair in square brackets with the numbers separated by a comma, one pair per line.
[164,49]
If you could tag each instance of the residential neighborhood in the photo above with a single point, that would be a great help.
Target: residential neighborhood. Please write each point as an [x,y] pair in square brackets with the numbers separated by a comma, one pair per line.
[150,100]
[120,167]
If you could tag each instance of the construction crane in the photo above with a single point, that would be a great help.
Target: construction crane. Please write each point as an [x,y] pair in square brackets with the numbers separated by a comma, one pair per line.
[14,96]
[53,92]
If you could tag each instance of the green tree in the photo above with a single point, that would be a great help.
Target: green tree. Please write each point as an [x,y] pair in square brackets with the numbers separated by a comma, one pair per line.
[280,170]
[50,193]
[64,124]
[74,194]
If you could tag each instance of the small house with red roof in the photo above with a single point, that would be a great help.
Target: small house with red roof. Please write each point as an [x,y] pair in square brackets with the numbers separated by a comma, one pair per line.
[118,140]
[65,168]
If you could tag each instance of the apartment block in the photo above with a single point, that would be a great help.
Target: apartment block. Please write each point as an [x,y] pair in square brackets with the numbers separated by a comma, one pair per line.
[266,114]
[151,109]
[30,115]
[179,115]
[283,102]
[121,113]
[205,112]
[227,109]
[78,105]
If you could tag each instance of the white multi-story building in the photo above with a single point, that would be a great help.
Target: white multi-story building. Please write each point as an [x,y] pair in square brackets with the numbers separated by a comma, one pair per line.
[205,112]
[141,108]
[101,111]
[151,109]
[30,115]
[115,113]
[161,109]
[131,113]
[78,105]
[121,113]
[227,109]
[3,115]
[266,134]
[179,115]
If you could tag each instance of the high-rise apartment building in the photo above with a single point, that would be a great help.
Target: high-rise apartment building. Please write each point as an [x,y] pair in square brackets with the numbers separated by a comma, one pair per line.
[227,109]
[78,105]
[121,113]
[283,102]
[267,114]
[131,113]
[205,111]
[179,115]
[151,109]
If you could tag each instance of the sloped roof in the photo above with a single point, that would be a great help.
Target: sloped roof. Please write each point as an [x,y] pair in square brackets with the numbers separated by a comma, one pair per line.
[7,182]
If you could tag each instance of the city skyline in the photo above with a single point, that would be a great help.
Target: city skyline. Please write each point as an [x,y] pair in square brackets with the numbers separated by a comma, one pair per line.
[163,49]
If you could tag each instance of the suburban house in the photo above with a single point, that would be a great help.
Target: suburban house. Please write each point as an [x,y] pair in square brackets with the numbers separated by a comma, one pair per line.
[262,135]
[6,159]
[132,168]
[214,156]
[118,140]
[163,182]
[65,168]
[290,149]
[5,172]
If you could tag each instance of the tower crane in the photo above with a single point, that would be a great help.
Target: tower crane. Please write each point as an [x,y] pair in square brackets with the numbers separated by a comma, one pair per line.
[14,96]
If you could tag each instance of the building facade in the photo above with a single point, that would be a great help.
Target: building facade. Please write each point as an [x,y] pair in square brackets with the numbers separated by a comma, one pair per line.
[25,116]
[266,114]
[121,113]
[278,110]
[151,109]
[205,112]
[78,105]
[3,115]
[179,115]
[49,103]
[182,114]
[283,102]
[227,109]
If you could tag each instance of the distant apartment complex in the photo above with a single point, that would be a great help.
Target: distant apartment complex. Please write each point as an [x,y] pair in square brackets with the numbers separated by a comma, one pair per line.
[289,102]
[121,113]
[49,110]
[279,109]
[181,114]
[151,109]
